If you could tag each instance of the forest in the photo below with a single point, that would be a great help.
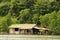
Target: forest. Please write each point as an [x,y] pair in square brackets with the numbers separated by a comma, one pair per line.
[40,12]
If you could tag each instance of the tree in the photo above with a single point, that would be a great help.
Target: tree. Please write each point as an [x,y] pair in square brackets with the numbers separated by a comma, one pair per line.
[58,22]
[25,16]
[35,19]
[44,20]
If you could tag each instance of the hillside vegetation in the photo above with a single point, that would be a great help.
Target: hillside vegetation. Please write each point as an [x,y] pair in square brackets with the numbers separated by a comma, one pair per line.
[41,12]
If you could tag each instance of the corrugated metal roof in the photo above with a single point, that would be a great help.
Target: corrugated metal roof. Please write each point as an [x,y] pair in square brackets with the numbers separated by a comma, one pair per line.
[43,28]
[22,26]
[36,27]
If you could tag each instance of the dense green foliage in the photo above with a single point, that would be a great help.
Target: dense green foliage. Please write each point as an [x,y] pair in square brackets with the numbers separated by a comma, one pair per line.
[41,12]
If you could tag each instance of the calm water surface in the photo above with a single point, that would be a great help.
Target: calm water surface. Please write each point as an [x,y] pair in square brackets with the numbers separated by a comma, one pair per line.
[29,37]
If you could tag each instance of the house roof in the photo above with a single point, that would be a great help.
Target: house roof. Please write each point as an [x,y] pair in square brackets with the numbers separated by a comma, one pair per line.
[36,27]
[22,26]
[44,29]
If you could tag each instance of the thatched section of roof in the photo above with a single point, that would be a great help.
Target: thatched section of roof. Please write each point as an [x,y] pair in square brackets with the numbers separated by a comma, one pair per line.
[22,26]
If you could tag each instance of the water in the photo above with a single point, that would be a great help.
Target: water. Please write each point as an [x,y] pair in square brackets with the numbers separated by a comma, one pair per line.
[28,37]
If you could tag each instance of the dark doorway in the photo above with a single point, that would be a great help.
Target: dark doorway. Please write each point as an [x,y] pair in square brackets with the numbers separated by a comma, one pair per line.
[16,29]
[35,31]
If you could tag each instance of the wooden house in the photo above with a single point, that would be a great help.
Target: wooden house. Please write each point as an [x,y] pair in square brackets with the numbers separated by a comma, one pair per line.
[23,29]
